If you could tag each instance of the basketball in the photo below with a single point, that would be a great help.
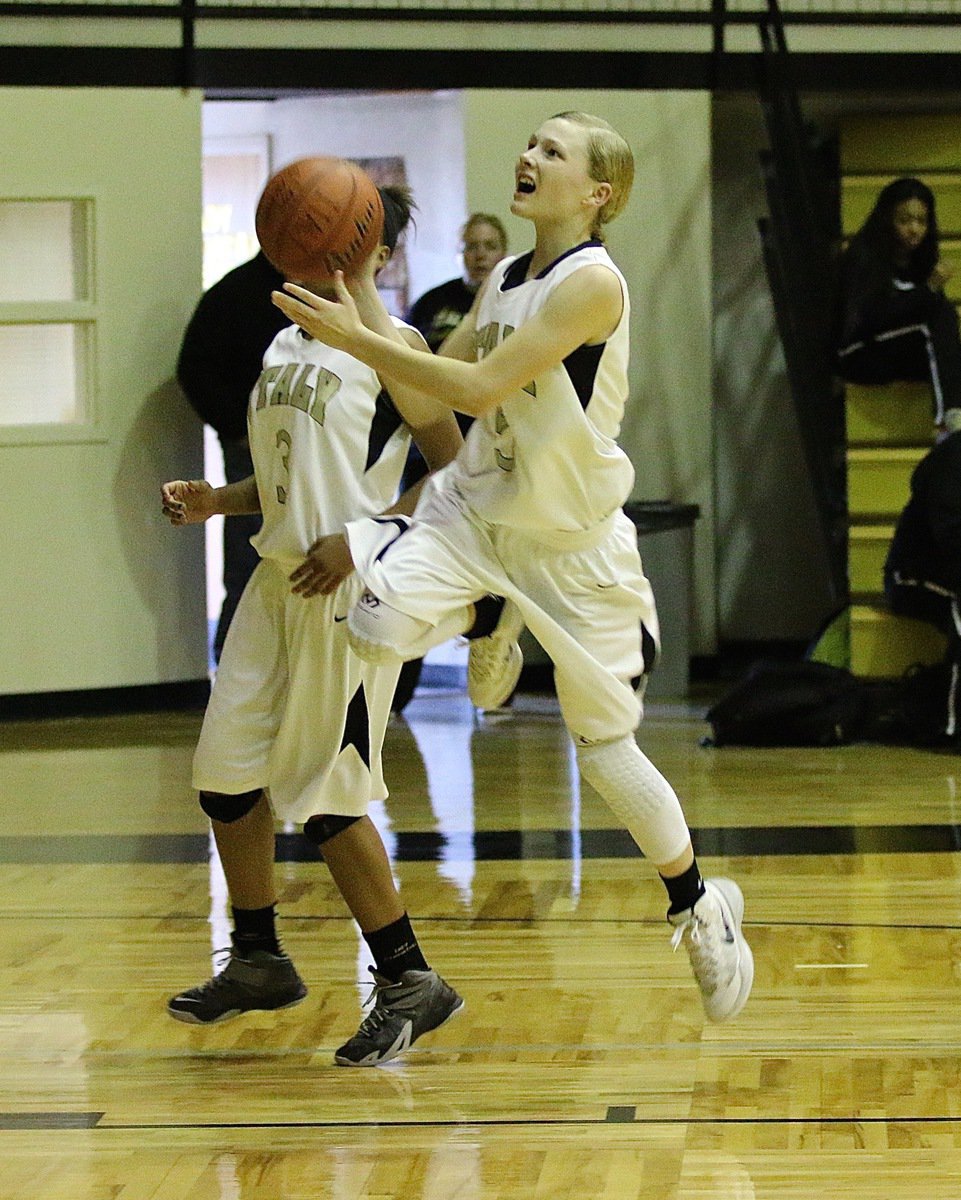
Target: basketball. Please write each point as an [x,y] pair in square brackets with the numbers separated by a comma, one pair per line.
[317,216]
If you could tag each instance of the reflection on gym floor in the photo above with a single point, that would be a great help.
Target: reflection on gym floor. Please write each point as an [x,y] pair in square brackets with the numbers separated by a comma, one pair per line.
[582,1066]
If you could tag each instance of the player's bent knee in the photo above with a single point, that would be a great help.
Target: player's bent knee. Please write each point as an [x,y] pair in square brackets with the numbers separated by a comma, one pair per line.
[227,809]
[321,829]
[589,753]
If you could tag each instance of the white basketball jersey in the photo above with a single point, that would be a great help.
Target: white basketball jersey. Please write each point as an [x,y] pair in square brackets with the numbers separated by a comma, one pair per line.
[546,459]
[328,446]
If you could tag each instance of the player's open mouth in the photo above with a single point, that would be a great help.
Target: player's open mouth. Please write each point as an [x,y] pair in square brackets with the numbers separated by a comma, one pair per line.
[525,184]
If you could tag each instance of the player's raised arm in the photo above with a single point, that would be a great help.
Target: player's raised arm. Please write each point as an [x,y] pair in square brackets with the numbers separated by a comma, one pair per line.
[582,310]
[431,423]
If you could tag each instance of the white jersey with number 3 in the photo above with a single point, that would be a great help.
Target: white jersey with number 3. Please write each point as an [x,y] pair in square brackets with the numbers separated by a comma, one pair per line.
[546,460]
[328,445]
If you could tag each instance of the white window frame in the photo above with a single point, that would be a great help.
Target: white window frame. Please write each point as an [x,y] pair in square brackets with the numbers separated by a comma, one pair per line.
[83,315]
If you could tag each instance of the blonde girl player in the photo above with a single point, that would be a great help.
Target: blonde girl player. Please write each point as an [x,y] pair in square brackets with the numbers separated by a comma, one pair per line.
[531,511]
[296,720]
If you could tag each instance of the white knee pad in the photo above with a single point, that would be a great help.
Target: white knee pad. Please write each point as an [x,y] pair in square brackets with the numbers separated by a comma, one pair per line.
[639,795]
[378,633]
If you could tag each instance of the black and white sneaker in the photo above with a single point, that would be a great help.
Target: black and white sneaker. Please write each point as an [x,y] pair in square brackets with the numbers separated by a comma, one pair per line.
[254,980]
[720,957]
[419,1002]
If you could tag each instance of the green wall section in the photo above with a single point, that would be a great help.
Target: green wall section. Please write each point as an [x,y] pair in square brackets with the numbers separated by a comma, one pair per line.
[97,590]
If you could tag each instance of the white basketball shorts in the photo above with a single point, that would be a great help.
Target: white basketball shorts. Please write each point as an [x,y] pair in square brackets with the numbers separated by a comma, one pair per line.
[293,710]
[586,605]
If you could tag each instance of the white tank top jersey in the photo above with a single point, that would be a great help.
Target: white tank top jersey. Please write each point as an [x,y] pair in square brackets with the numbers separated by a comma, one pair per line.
[328,446]
[547,460]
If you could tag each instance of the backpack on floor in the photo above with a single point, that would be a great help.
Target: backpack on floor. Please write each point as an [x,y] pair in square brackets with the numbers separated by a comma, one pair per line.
[790,704]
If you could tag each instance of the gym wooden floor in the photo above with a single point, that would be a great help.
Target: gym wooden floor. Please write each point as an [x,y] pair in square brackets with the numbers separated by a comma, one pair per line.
[582,1067]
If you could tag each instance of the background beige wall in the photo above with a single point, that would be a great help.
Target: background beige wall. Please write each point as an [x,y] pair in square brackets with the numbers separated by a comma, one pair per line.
[96,589]
[662,242]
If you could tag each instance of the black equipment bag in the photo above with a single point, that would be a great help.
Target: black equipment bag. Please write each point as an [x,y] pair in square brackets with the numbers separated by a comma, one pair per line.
[791,704]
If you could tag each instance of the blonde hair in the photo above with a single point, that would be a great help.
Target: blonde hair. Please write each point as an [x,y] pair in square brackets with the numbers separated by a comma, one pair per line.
[609,160]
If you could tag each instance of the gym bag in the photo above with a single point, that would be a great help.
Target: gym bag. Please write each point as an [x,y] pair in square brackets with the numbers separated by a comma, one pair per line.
[790,704]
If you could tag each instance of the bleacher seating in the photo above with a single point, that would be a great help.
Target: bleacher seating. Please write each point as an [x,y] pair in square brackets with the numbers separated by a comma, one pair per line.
[889,427]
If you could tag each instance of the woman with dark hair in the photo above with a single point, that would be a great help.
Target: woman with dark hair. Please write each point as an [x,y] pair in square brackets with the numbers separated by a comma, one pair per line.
[895,321]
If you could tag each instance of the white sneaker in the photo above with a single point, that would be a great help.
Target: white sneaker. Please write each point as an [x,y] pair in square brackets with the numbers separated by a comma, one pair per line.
[952,420]
[494,662]
[720,957]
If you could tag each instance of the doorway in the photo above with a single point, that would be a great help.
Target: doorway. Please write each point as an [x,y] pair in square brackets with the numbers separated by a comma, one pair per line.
[244,142]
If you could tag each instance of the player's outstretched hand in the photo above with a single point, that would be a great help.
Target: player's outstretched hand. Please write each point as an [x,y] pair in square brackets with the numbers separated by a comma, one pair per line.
[327,565]
[187,501]
[334,322]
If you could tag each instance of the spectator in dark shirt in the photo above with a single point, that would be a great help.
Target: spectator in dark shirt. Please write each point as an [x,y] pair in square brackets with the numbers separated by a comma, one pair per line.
[220,361]
[439,311]
[895,321]
[922,575]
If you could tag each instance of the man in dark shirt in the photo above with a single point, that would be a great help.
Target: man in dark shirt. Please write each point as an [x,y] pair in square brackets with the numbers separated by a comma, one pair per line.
[220,361]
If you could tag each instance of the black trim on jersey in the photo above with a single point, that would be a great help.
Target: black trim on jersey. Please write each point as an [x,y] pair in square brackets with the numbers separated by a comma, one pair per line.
[516,273]
[385,423]
[357,727]
[402,523]
[649,653]
[648,656]
[581,366]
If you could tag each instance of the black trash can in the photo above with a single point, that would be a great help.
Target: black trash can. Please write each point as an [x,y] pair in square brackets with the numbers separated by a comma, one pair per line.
[665,532]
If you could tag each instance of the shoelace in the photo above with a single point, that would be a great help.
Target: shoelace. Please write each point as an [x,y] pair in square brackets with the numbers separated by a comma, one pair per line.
[706,951]
[490,659]
[373,1021]
[221,960]
[378,1014]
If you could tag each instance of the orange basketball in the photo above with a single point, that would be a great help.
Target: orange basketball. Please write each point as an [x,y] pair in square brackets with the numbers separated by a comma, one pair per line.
[317,216]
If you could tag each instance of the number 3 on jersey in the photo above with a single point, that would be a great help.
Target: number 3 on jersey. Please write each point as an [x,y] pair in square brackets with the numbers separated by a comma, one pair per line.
[283,443]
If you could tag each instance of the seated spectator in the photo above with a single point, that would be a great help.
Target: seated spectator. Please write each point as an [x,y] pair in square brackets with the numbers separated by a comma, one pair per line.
[894,320]
[922,574]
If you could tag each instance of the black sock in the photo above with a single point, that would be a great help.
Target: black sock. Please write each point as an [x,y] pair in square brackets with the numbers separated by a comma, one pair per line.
[395,949]
[487,612]
[684,890]
[254,929]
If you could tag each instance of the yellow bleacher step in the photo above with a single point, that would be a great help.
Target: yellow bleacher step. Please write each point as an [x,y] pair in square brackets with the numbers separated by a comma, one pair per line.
[951,257]
[879,480]
[901,144]
[883,645]
[859,192]
[889,414]
[867,550]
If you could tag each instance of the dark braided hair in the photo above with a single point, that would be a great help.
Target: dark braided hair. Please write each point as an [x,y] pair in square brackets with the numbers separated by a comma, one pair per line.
[398,208]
